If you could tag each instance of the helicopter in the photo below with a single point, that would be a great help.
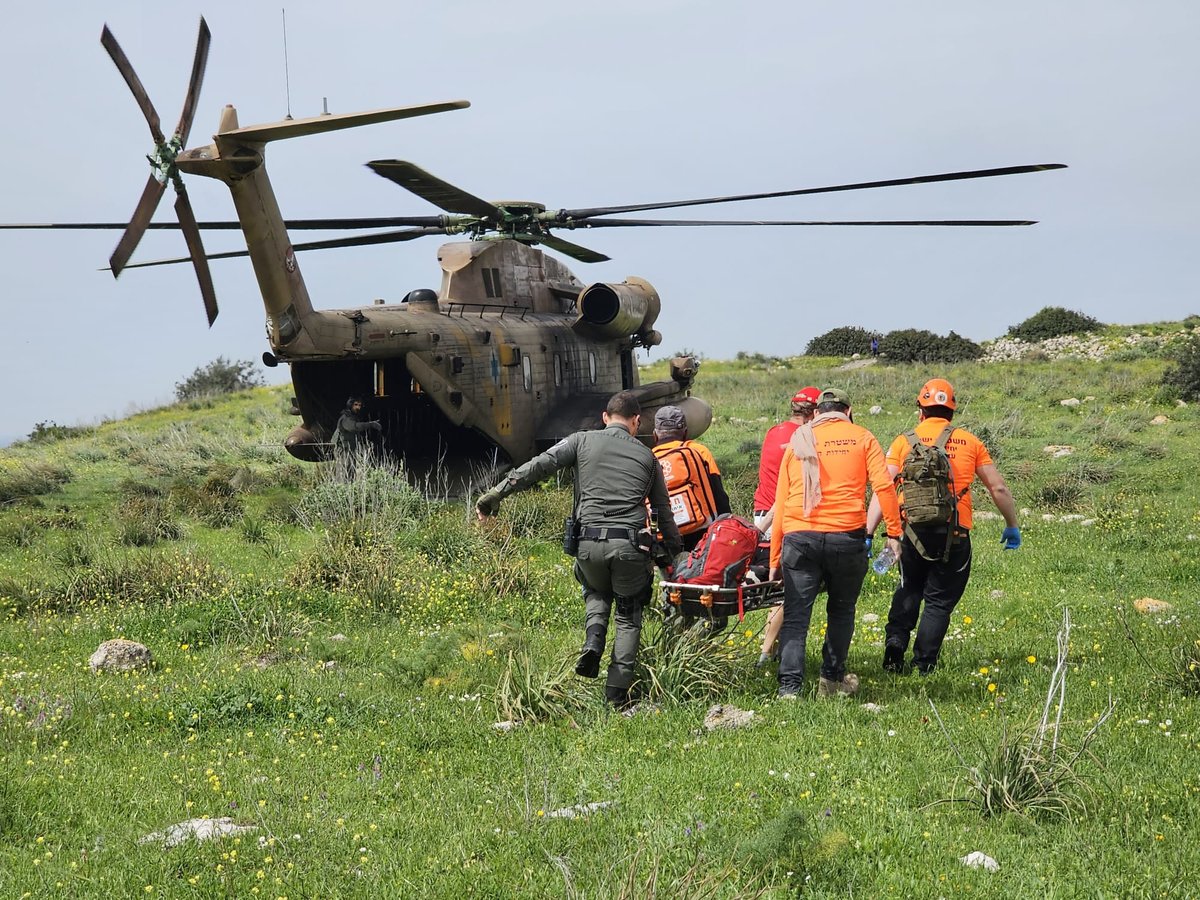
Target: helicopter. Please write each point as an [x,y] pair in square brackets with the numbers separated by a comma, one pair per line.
[509,355]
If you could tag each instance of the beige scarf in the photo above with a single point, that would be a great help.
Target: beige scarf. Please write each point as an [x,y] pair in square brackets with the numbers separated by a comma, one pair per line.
[804,448]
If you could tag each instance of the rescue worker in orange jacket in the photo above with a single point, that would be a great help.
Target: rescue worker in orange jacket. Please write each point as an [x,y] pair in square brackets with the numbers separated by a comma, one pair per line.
[671,433]
[819,536]
[929,572]
[804,407]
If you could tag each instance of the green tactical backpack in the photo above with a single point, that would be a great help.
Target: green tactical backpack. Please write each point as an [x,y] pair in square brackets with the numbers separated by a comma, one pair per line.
[928,489]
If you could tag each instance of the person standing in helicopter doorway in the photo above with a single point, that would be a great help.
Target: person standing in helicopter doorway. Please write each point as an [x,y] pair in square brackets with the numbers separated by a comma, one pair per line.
[615,474]
[350,442]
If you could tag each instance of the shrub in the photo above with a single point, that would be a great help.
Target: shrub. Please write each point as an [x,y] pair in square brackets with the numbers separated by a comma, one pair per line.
[676,665]
[844,341]
[1053,321]
[143,521]
[527,693]
[219,377]
[31,479]
[918,345]
[1031,771]
[49,432]
[1183,377]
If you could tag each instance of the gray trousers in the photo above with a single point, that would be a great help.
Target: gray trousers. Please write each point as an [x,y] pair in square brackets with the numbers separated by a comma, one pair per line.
[615,573]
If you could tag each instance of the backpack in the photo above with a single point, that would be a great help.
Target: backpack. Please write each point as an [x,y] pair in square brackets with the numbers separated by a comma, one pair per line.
[693,506]
[927,482]
[723,554]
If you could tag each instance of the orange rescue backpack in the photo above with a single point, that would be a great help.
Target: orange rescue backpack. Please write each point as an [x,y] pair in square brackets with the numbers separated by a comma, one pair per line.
[692,503]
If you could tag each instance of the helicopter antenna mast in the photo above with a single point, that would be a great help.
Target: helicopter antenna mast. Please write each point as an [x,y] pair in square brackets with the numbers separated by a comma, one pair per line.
[287,83]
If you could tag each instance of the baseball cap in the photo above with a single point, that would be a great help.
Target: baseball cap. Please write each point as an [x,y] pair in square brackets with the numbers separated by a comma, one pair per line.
[805,397]
[834,395]
[669,418]
[937,392]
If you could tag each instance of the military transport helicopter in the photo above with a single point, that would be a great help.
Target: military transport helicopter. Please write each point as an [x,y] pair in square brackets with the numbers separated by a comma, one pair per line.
[509,355]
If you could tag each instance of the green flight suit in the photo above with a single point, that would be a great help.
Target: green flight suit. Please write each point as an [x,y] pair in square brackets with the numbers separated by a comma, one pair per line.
[614,475]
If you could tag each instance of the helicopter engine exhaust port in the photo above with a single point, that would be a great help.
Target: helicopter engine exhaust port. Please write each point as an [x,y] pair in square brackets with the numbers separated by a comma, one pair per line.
[618,310]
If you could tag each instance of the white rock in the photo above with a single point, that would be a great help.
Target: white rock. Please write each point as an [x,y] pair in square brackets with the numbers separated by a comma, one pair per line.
[978,860]
[872,707]
[875,410]
[724,715]
[339,637]
[1088,399]
[869,618]
[1065,451]
[120,655]
[1182,404]
[1087,523]
[1070,401]
[506,725]
[1049,517]
[1058,449]
[997,594]
[580,809]
[199,829]
[1159,420]
[1071,517]
[1025,510]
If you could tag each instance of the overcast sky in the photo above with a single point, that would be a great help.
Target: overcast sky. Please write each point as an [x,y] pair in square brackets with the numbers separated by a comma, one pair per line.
[622,101]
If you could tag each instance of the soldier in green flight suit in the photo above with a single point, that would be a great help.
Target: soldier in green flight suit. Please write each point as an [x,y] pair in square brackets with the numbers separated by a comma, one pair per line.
[615,473]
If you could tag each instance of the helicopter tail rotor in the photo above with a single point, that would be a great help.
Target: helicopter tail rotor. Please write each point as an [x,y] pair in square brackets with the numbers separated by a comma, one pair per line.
[163,167]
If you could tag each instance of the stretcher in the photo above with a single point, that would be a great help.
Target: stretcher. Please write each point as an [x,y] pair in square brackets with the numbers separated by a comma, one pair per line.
[711,601]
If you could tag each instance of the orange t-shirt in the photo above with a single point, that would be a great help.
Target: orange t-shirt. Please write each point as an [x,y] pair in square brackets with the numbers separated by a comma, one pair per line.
[967,453]
[849,455]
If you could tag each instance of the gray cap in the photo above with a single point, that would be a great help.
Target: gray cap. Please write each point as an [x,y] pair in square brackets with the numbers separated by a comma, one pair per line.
[669,418]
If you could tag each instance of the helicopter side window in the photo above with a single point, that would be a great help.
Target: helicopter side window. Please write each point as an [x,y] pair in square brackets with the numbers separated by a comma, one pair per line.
[557,370]
[592,366]
[527,366]
[491,283]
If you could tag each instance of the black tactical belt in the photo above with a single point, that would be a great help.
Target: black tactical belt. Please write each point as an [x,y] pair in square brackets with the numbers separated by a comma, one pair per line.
[608,533]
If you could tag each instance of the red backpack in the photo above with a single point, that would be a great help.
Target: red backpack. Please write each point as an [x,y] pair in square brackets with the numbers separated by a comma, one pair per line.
[723,554]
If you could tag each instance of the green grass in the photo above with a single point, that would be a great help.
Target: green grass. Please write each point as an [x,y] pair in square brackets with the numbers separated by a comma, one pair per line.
[334,682]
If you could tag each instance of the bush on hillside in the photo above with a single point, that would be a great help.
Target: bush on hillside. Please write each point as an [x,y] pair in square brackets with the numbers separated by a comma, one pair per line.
[1051,322]
[1183,377]
[844,341]
[219,377]
[917,345]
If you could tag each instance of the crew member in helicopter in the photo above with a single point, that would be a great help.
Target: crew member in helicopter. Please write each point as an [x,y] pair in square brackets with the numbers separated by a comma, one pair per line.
[615,474]
[350,440]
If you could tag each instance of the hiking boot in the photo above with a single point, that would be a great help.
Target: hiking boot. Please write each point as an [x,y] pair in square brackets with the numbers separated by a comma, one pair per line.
[893,659]
[618,698]
[848,686]
[589,657]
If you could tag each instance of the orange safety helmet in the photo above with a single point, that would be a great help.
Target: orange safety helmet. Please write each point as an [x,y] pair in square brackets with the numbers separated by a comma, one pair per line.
[937,392]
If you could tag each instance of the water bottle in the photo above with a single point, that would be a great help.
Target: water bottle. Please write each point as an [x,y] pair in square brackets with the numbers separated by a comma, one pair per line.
[884,560]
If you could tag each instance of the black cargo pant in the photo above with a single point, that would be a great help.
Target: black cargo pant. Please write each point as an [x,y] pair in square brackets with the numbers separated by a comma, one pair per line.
[839,559]
[939,584]
[615,573]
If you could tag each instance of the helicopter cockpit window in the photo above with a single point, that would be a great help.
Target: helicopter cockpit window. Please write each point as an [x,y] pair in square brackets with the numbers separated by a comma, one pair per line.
[527,368]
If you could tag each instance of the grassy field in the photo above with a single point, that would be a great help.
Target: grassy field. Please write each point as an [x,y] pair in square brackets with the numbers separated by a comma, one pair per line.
[331,660]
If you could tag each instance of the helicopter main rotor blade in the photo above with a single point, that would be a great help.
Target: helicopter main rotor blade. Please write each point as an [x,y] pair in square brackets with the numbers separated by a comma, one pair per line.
[151,194]
[135,84]
[566,214]
[191,234]
[429,187]
[323,123]
[634,223]
[199,62]
[291,224]
[365,240]
[583,254]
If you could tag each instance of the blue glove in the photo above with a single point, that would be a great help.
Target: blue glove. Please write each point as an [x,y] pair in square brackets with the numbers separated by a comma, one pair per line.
[1011,539]
[870,538]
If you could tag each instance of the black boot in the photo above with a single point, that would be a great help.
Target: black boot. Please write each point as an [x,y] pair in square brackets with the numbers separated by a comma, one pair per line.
[618,697]
[893,659]
[593,648]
